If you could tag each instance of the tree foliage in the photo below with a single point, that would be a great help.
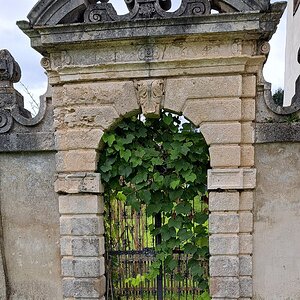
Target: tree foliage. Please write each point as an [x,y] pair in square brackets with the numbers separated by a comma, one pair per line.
[278,97]
[162,164]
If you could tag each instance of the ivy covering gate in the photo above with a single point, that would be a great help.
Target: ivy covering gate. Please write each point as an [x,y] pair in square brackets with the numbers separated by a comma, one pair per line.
[154,172]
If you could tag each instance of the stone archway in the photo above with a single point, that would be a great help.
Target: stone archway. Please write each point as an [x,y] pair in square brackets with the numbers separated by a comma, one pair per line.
[204,66]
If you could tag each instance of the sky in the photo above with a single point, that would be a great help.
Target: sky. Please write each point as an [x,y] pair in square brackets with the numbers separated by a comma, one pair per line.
[33,75]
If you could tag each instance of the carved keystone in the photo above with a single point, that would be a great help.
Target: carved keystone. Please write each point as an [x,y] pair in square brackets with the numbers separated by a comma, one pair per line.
[150,94]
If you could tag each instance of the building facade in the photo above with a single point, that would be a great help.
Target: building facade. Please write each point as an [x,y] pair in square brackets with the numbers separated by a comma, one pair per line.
[292,69]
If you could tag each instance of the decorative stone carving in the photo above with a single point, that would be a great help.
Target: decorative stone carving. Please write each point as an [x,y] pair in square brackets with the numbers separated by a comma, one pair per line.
[146,9]
[11,101]
[6,121]
[148,53]
[150,95]
[46,63]
[9,68]
[53,12]
[264,48]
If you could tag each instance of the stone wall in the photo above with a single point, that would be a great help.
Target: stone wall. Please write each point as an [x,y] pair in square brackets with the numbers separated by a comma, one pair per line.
[276,259]
[30,220]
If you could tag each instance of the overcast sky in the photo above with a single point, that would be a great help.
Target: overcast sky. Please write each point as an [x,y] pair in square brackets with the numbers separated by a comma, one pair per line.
[33,76]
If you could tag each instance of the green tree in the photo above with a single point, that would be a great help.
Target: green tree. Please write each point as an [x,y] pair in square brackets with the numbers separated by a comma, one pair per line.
[278,97]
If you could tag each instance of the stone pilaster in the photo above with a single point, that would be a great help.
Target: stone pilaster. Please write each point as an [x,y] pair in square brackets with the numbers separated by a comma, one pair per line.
[81,227]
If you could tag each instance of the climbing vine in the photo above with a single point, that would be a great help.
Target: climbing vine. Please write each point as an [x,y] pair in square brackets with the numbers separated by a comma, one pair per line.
[162,164]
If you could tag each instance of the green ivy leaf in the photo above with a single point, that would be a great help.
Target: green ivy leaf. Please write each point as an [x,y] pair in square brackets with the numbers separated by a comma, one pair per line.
[176,194]
[145,195]
[197,270]
[153,209]
[183,208]
[109,139]
[190,248]
[168,119]
[191,177]
[200,217]
[128,139]
[174,184]
[140,177]
[172,264]
[125,154]
[176,223]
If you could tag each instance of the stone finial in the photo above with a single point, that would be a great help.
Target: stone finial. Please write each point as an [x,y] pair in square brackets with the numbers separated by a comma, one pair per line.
[9,69]
[11,101]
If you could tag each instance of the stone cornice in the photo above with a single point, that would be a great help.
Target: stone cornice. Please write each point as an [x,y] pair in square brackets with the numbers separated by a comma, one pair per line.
[253,25]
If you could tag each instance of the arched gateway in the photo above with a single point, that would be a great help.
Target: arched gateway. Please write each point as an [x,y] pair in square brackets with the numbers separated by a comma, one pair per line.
[103,67]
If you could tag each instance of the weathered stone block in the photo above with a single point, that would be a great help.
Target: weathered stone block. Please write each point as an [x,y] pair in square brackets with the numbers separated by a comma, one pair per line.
[246,243]
[122,94]
[249,178]
[248,133]
[225,179]
[83,267]
[224,201]
[76,161]
[223,223]
[247,155]
[68,287]
[211,110]
[222,244]
[79,183]
[249,86]
[81,225]
[225,156]
[246,287]
[221,133]
[245,265]
[224,287]
[85,117]
[84,288]
[178,90]
[248,109]
[81,204]
[224,266]
[66,246]
[82,247]
[246,222]
[231,179]
[78,139]
[246,200]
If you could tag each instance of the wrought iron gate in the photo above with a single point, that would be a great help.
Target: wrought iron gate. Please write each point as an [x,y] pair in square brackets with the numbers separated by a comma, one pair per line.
[130,251]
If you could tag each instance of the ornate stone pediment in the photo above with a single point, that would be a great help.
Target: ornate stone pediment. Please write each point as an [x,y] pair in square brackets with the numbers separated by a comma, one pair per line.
[53,12]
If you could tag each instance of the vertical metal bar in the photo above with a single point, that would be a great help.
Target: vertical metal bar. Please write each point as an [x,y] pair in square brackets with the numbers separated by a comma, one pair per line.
[158,223]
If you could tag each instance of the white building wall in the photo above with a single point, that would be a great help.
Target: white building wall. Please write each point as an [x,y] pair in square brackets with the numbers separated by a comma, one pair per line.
[292,68]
